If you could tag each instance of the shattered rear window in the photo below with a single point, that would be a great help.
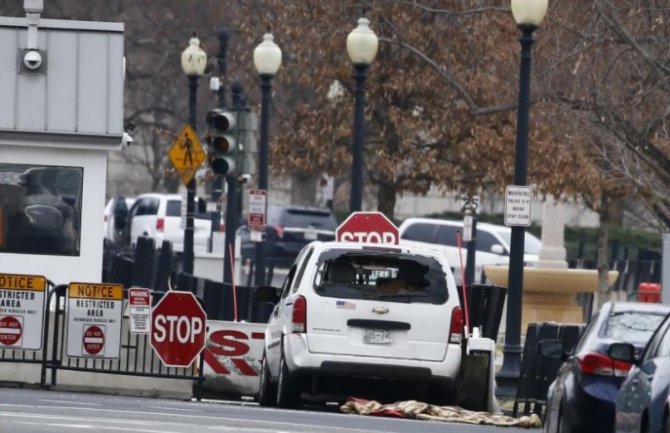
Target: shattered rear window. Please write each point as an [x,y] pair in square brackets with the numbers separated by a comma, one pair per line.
[634,327]
[380,275]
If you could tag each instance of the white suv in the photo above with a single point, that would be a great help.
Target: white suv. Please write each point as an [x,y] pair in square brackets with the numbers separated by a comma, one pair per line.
[159,216]
[362,319]
[493,242]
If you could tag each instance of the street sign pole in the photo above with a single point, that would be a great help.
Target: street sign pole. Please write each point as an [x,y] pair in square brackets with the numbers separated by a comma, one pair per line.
[187,266]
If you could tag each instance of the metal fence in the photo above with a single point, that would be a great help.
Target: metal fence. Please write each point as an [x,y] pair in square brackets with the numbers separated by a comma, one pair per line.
[137,357]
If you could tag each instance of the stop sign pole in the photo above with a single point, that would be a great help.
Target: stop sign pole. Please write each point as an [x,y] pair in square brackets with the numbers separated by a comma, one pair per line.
[178,329]
[368,227]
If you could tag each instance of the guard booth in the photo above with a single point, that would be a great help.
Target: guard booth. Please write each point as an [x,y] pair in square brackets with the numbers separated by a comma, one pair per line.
[61,87]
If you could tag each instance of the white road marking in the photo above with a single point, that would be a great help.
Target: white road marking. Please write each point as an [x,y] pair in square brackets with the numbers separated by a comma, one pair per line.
[82,403]
[274,424]
[174,408]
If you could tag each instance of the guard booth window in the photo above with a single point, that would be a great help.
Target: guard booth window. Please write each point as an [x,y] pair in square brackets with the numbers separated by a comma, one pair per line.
[40,209]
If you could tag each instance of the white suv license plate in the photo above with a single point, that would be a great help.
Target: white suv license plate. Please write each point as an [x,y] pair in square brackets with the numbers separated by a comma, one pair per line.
[377,336]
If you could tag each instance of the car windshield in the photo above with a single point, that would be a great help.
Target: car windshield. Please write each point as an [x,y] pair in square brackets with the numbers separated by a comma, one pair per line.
[634,327]
[532,244]
[381,275]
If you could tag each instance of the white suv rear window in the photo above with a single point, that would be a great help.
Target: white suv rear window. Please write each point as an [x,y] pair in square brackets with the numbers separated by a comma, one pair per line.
[388,276]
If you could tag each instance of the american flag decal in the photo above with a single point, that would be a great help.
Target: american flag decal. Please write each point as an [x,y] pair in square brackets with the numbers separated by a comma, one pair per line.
[345,305]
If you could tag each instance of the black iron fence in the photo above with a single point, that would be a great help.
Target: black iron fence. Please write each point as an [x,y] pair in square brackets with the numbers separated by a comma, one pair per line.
[537,372]
[137,357]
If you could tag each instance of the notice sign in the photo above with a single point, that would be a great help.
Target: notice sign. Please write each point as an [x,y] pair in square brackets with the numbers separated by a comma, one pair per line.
[517,205]
[94,316]
[139,309]
[22,299]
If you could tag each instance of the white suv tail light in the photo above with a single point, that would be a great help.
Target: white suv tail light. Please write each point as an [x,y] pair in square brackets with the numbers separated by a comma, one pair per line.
[300,315]
[456,328]
[160,224]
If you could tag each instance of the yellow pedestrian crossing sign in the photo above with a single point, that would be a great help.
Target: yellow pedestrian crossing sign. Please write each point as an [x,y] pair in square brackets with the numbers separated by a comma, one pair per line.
[187,154]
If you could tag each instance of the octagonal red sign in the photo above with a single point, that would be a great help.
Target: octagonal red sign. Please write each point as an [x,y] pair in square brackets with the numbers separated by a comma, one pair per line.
[369,227]
[178,329]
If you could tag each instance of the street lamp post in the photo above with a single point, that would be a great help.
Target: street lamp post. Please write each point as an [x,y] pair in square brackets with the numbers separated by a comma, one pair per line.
[193,63]
[528,15]
[267,60]
[362,45]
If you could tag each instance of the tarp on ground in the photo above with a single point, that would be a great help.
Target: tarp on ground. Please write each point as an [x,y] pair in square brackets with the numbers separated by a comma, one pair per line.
[419,410]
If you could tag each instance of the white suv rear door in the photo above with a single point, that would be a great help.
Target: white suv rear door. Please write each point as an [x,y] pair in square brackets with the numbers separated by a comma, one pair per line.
[347,317]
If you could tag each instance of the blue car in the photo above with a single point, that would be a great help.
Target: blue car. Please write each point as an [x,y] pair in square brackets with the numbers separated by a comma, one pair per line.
[642,402]
[581,398]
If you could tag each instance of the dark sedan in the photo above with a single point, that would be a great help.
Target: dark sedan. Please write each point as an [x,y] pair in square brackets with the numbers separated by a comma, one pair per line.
[581,398]
[642,402]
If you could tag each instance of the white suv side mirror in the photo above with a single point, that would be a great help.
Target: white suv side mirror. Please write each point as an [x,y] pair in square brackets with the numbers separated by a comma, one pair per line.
[498,249]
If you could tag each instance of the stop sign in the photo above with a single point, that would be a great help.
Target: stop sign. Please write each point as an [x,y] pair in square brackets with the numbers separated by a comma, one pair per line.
[370,227]
[178,329]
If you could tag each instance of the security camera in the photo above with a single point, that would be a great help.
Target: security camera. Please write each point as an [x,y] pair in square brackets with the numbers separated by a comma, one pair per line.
[127,139]
[244,178]
[32,60]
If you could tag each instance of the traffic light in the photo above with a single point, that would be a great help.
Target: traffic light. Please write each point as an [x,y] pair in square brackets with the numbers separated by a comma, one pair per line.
[221,142]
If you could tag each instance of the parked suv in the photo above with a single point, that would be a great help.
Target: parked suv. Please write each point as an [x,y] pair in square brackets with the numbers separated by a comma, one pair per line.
[159,217]
[362,319]
[289,228]
[493,242]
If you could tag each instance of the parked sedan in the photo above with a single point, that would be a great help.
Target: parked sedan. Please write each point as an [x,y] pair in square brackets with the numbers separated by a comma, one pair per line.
[581,398]
[642,404]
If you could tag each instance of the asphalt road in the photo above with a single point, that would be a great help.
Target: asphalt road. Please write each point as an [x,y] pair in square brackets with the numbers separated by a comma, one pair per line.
[36,411]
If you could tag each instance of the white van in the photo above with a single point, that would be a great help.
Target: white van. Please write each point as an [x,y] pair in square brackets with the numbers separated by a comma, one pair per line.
[493,243]
[362,319]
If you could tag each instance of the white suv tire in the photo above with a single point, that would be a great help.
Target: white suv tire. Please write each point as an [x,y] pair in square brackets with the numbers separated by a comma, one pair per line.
[267,393]
[288,395]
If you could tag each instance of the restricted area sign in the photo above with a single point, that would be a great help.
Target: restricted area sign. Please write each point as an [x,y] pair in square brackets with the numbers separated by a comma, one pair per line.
[187,154]
[22,299]
[517,205]
[370,227]
[94,316]
[178,329]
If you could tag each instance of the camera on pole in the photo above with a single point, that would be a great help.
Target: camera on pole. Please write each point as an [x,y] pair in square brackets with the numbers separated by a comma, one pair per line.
[221,143]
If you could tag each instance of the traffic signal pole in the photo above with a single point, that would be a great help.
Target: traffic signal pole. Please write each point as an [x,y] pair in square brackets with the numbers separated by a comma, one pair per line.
[217,184]
[231,199]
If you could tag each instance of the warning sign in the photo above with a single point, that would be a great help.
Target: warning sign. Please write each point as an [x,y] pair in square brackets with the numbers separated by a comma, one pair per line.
[94,316]
[22,299]
[187,154]
[139,306]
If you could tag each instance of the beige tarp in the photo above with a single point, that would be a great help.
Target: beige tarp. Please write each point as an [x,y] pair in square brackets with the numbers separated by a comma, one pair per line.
[418,410]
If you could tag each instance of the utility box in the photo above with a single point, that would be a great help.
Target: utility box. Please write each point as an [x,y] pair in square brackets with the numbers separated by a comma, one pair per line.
[61,86]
